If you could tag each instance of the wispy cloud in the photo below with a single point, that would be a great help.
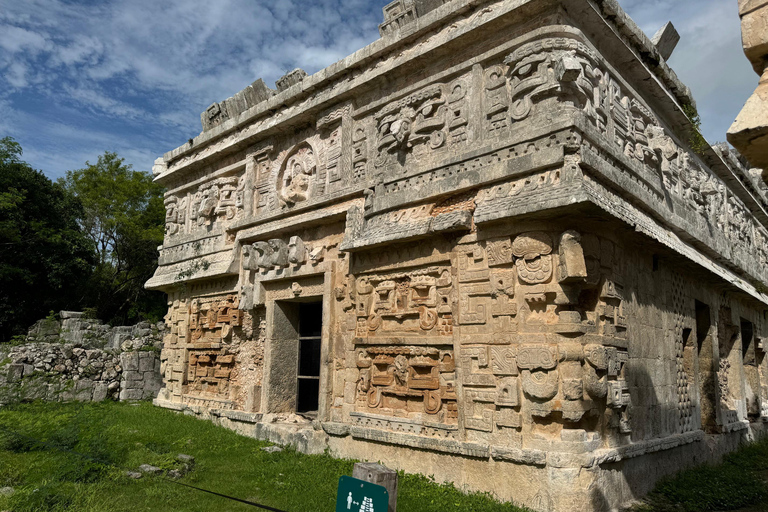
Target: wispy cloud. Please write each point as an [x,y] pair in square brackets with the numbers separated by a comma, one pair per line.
[141,71]
[708,59]
[78,78]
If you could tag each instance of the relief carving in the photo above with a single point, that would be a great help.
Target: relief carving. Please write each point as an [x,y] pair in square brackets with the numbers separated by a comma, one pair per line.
[416,121]
[212,322]
[532,250]
[392,377]
[297,179]
[407,303]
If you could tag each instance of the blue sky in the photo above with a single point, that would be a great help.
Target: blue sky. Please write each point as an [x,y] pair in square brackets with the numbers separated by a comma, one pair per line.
[132,76]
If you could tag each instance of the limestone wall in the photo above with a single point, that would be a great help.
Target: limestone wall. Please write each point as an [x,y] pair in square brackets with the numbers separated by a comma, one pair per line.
[521,263]
[81,359]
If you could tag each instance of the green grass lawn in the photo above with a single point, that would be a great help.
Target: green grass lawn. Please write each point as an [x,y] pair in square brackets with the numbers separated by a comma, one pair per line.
[42,464]
[738,483]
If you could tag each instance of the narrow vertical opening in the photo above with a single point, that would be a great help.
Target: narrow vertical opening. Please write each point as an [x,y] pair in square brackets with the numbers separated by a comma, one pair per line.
[751,375]
[310,340]
[707,373]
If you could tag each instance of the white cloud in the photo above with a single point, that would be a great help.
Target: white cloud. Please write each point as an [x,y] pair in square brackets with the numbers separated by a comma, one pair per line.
[14,39]
[141,71]
[708,58]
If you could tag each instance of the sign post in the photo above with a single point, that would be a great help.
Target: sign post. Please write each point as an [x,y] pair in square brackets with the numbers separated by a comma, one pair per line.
[360,496]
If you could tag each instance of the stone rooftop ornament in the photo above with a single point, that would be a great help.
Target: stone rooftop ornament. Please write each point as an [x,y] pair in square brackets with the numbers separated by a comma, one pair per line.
[480,248]
[290,79]
[666,40]
[749,133]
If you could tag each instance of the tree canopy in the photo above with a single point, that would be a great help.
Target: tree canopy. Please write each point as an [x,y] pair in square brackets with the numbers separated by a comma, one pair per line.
[88,241]
[123,215]
[45,258]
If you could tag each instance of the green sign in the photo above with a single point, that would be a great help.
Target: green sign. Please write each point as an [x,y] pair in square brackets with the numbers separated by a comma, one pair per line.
[360,496]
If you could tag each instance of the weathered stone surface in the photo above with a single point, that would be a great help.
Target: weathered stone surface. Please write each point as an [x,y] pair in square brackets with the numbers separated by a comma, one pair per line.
[129,361]
[152,470]
[749,133]
[290,79]
[379,475]
[754,32]
[666,40]
[510,267]
[88,370]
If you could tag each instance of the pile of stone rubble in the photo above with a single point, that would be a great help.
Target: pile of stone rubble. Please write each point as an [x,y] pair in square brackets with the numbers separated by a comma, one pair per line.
[82,359]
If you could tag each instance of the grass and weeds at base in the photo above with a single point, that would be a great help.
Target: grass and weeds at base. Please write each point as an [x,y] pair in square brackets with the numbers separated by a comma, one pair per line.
[738,482]
[49,456]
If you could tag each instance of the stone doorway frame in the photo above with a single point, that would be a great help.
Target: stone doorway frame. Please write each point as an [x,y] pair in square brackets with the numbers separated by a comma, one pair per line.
[279,390]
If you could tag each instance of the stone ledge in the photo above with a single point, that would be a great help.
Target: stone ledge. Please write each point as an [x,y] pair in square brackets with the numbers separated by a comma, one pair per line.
[306,436]
[246,417]
[609,455]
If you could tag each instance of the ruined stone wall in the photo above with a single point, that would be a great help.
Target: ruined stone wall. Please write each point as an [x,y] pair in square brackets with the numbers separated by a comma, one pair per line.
[81,359]
[523,268]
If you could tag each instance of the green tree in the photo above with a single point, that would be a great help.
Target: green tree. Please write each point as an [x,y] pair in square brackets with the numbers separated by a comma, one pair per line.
[44,256]
[123,215]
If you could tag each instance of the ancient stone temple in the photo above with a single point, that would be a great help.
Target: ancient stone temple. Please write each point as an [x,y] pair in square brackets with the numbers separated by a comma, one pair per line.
[483,248]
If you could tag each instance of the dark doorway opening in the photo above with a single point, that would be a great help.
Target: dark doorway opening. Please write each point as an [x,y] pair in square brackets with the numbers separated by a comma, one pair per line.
[310,340]
[749,355]
[707,373]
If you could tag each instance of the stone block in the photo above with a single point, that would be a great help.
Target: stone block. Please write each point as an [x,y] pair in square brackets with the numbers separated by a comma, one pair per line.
[379,475]
[15,372]
[132,375]
[257,92]
[153,470]
[749,133]
[131,394]
[253,398]
[159,167]
[666,40]
[100,391]
[83,390]
[290,79]
[129,361]
[568,69]
[754,36]
[747,6]
[117,337]
[146,361]
[453,221]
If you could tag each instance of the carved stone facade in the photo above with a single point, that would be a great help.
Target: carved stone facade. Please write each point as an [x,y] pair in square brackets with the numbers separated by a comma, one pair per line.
[480,238]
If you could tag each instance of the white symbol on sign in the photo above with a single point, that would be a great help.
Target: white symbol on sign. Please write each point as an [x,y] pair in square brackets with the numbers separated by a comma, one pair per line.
[349,501]
[367,505]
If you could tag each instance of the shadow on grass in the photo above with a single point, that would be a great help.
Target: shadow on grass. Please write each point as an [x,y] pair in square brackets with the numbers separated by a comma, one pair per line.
[738,482]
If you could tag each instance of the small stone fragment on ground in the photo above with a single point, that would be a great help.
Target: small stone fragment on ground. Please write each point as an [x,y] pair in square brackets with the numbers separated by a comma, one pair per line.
[272,449]
[7,491]
[147,468]
[186,459]
[133,474]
